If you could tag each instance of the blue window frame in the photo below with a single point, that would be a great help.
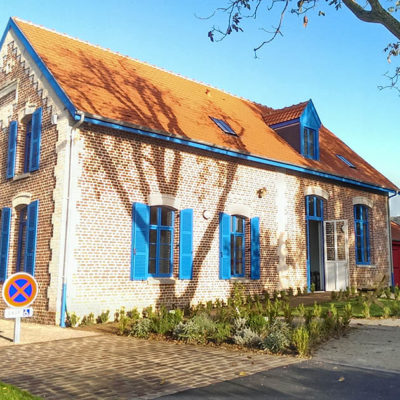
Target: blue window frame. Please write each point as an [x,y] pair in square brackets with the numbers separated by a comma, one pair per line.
[161,239]
[28,137]
[310,143]
[314,207]
[223,126]
[22,239]
[238,234]
[361,227]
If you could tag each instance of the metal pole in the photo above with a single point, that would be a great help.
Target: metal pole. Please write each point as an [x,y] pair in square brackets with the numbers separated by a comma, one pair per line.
[17,329]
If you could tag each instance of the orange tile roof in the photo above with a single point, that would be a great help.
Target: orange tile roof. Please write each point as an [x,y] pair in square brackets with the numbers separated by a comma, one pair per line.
[107,84]
[290,113]
[395,230]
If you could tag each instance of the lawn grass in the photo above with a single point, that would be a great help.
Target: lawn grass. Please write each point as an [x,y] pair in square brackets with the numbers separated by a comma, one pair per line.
[9,392]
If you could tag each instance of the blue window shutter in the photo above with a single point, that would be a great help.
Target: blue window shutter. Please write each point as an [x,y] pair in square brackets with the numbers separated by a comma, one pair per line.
[4,241]
[224,246]
[140,241]
[255,248]
[30,244]
[186,244]
[12,148]
[34,156]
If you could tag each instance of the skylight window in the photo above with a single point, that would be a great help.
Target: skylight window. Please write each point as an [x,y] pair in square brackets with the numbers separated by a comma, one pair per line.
[346,161]
[223,126]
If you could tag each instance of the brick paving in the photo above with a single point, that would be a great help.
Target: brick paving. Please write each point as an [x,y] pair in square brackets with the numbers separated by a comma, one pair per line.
[112,367]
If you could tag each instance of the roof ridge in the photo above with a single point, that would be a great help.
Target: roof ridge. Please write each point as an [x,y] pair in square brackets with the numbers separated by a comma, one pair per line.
[138,61]
[273,110]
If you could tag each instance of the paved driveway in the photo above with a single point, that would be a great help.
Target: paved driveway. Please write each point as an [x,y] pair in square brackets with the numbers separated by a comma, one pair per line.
[364,365]
[112,367]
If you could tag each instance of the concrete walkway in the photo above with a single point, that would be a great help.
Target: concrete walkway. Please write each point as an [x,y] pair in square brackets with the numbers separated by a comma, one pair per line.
[113,367]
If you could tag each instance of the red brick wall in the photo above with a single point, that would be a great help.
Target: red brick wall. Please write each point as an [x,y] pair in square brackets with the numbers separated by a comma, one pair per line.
[39,184]
[119,169]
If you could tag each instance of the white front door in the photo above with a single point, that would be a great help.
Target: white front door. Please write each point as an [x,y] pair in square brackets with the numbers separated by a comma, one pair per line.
[336,255]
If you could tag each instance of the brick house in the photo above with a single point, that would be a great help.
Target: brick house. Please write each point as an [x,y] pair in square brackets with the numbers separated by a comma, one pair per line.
[126,185]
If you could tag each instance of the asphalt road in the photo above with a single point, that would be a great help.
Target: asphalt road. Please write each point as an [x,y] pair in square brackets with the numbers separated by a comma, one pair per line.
[364,365]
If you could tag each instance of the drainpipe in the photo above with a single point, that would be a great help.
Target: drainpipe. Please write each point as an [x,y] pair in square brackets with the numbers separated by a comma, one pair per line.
[67,218]
[391,273]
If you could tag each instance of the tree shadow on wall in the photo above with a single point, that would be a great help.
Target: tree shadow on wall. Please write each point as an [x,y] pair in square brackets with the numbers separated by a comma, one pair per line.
[147,153]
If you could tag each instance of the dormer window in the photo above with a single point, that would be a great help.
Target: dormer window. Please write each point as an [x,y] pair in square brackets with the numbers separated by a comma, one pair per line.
[299,125]
[310,141]
[223,126]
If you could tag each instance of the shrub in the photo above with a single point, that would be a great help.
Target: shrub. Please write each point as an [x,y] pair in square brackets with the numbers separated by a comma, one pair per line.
[287,312]
[334,295]
[347,314]
[366,308]
[301,340]
[397,292]
[353,290]
[317,310]
[196,330]
[312,287]
[247,337]
[88,319]
[290,292]
[308,316]
[388,293]
[72,320]
[315,329]
[301,309]
[141,328]
[257,322]
[386,312]
[299,291]
[220,334]
[164,321]
[133,314]
[278,338]
[329,323]
[395,308]
[103,317]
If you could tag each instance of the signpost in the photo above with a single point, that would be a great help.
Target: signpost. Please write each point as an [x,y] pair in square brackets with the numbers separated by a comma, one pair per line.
[19,292]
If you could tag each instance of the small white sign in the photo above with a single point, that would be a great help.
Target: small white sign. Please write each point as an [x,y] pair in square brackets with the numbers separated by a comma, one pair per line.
[26,312]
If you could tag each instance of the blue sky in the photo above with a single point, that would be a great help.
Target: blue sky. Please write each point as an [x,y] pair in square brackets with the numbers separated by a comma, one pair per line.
[337,60]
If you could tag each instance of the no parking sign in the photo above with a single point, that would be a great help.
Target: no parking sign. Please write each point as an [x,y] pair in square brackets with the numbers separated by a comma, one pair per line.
[19,291]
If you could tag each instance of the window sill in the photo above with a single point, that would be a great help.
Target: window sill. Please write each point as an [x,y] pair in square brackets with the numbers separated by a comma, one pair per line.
[21,176]
[161,281]
[365,266]
[240,279]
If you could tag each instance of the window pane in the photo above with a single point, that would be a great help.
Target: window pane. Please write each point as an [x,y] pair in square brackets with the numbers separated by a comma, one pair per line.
[153,235]
[153,215]
[311,143]
[365,243]
[358,228]
[311,206]
[319,207]
[152,266]
[364,213]
[165,251]
[330,254]
[239,224]
[152,251]
[239,267]
[164,266]
[165,236]
[239,247]
[357,208]
[305,142]
[166,217]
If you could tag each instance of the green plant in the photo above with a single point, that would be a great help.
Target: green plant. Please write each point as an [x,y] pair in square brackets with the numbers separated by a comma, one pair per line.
[245,336]
[147,312]
[141,328]
[334,295]
[386,312]
[347,314]
[396,308]
[298,291]
[88,319]
[396,292]
[308,316]
[72,320]
[317,310]
[315,329]
[287,312]
[301,309]
[312,287]
[221,333]
[353,290]
[278,338]
[329,323]
[388,293]
[257,322]
[301,341]
[197,330]
[366,309]
[290,292]
[103,317]
[164,321]
[133,314]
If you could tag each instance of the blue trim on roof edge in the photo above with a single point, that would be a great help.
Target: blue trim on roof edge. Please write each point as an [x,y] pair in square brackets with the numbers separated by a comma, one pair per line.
[235,154]
[42,67]
[285,123]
